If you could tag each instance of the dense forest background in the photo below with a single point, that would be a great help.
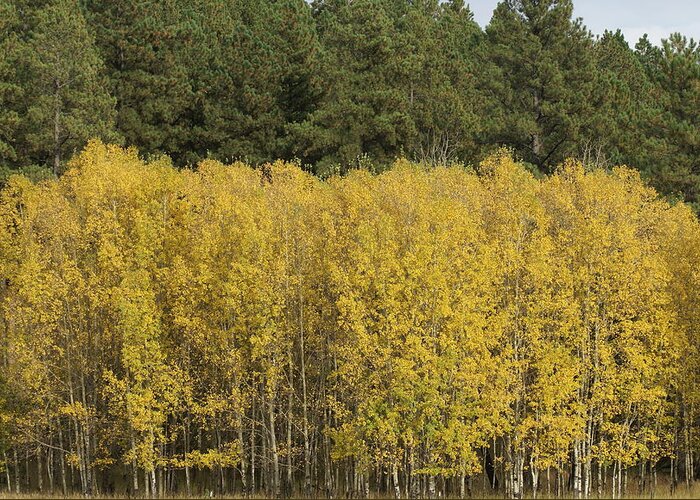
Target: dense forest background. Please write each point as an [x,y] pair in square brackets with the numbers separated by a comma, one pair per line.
[338,84]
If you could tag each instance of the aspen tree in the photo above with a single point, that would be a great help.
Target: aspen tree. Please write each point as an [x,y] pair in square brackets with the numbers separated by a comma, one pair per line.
[230,330]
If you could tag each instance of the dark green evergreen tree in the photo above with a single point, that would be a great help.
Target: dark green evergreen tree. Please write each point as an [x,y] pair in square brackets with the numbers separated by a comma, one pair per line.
[443,42]
[298,49]
[364,110]
[53,90]
[335,83]
[70,101]
[252,68]
[675,68]
[400,80]
[540,79]
[12,52]
[142,43]
[210,78]
[625,105]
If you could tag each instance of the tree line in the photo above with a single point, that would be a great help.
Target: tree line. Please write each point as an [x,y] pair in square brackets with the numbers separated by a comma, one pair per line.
[423,332]
[336,83]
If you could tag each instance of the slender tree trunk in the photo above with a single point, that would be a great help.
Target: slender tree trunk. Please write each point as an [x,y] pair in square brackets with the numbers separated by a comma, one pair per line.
[414,489]
[493,457]
[289,489]
[577,470]
[86,441]
[252,448]
[50,467]
[161,473]
[535,474]
[673,475]
[397,486]
[7,472]
[17,482]
[327,457]
[152,475]
[305,416]
[273,450]
[39,471]
[614,481]
[134,467]
[244,471]
[387,481]
[605,477]
[687,416]
[186,439]
[221,480]
[62,461]
[517,481]
[80,456]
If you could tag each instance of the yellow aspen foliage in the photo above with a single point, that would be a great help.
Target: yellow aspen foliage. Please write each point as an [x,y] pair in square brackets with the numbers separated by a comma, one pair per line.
[422,332]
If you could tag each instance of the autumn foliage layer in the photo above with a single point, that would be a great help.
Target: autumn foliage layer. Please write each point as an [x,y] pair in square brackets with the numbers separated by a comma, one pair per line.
[422,332]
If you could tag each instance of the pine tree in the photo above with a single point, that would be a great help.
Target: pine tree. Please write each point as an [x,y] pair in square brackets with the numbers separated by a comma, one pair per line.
[236,72]
[364,111]
[675,69]
[299,49]
[625,106]
[141,43]
[436,59]
[54,91]
[540,79]
[68,101]
[11,89]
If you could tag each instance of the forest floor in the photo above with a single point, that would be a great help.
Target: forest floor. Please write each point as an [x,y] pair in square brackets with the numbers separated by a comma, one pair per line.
[662,491]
